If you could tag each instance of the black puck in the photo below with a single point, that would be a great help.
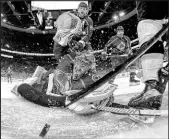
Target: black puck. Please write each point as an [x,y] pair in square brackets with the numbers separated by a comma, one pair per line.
[44,130]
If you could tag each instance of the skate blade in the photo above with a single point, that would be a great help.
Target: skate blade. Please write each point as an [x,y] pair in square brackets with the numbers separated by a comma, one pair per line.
[142,119]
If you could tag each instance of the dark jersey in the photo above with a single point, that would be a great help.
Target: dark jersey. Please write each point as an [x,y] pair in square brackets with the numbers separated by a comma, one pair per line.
[118,45]
[155,10]
[87,27]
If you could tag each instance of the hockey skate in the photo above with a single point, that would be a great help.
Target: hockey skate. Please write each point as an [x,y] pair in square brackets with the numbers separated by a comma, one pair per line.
[150,98]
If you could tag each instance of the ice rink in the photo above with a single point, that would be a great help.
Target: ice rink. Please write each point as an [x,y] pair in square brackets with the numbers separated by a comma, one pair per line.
[123,87]
[21,119]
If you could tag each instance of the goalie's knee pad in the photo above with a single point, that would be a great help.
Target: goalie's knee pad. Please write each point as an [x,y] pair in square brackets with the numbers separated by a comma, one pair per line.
[151,63]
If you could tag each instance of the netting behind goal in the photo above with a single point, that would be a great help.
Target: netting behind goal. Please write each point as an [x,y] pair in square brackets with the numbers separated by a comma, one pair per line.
[67,24]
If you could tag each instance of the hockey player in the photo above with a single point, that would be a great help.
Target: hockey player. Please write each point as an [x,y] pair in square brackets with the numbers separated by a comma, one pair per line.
[68,50]
[150,22]
[117,47]
[82,37]
[9,74]
[87,24]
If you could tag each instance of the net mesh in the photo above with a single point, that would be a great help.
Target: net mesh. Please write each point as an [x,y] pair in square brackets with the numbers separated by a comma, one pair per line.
[67,25]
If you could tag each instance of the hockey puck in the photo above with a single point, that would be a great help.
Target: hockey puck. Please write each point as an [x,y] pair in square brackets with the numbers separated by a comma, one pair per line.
[44,130]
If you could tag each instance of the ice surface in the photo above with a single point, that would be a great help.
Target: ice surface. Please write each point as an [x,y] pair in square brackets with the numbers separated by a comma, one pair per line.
[21,119]
[123,87]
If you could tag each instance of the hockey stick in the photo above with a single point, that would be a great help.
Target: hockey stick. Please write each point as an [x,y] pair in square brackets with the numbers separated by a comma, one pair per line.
[89,53]
[99,51]
[125,55]
[119,68]
[132,111]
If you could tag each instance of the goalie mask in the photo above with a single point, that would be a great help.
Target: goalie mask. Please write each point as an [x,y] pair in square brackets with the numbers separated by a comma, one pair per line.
[83,64]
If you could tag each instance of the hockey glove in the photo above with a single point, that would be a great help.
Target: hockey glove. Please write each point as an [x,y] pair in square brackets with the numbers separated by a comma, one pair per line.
[80,45]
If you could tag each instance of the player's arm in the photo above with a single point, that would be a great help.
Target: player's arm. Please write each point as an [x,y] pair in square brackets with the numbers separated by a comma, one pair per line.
[107,45]
[111,40]
[129,50]
[88,32]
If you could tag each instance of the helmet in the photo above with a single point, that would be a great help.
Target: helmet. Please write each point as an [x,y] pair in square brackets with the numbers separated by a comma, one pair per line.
[119,28]
[83,4]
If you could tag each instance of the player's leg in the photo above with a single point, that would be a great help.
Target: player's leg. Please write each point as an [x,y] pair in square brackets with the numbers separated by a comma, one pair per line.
[151,62]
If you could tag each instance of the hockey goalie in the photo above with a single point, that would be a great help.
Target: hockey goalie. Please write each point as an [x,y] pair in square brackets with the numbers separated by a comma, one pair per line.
[75,71]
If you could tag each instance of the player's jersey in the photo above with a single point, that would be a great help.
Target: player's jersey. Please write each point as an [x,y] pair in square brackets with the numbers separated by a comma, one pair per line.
[155,10]
[118,45]
[87,27]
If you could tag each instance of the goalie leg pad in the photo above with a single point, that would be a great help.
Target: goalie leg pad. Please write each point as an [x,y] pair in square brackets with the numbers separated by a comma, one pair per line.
[151,63]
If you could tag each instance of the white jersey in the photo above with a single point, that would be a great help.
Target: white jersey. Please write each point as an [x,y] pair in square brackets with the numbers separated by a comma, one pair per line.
[146,29]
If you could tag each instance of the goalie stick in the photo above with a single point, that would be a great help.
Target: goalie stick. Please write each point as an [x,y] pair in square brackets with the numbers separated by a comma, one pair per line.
[120,68]
[131,111]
